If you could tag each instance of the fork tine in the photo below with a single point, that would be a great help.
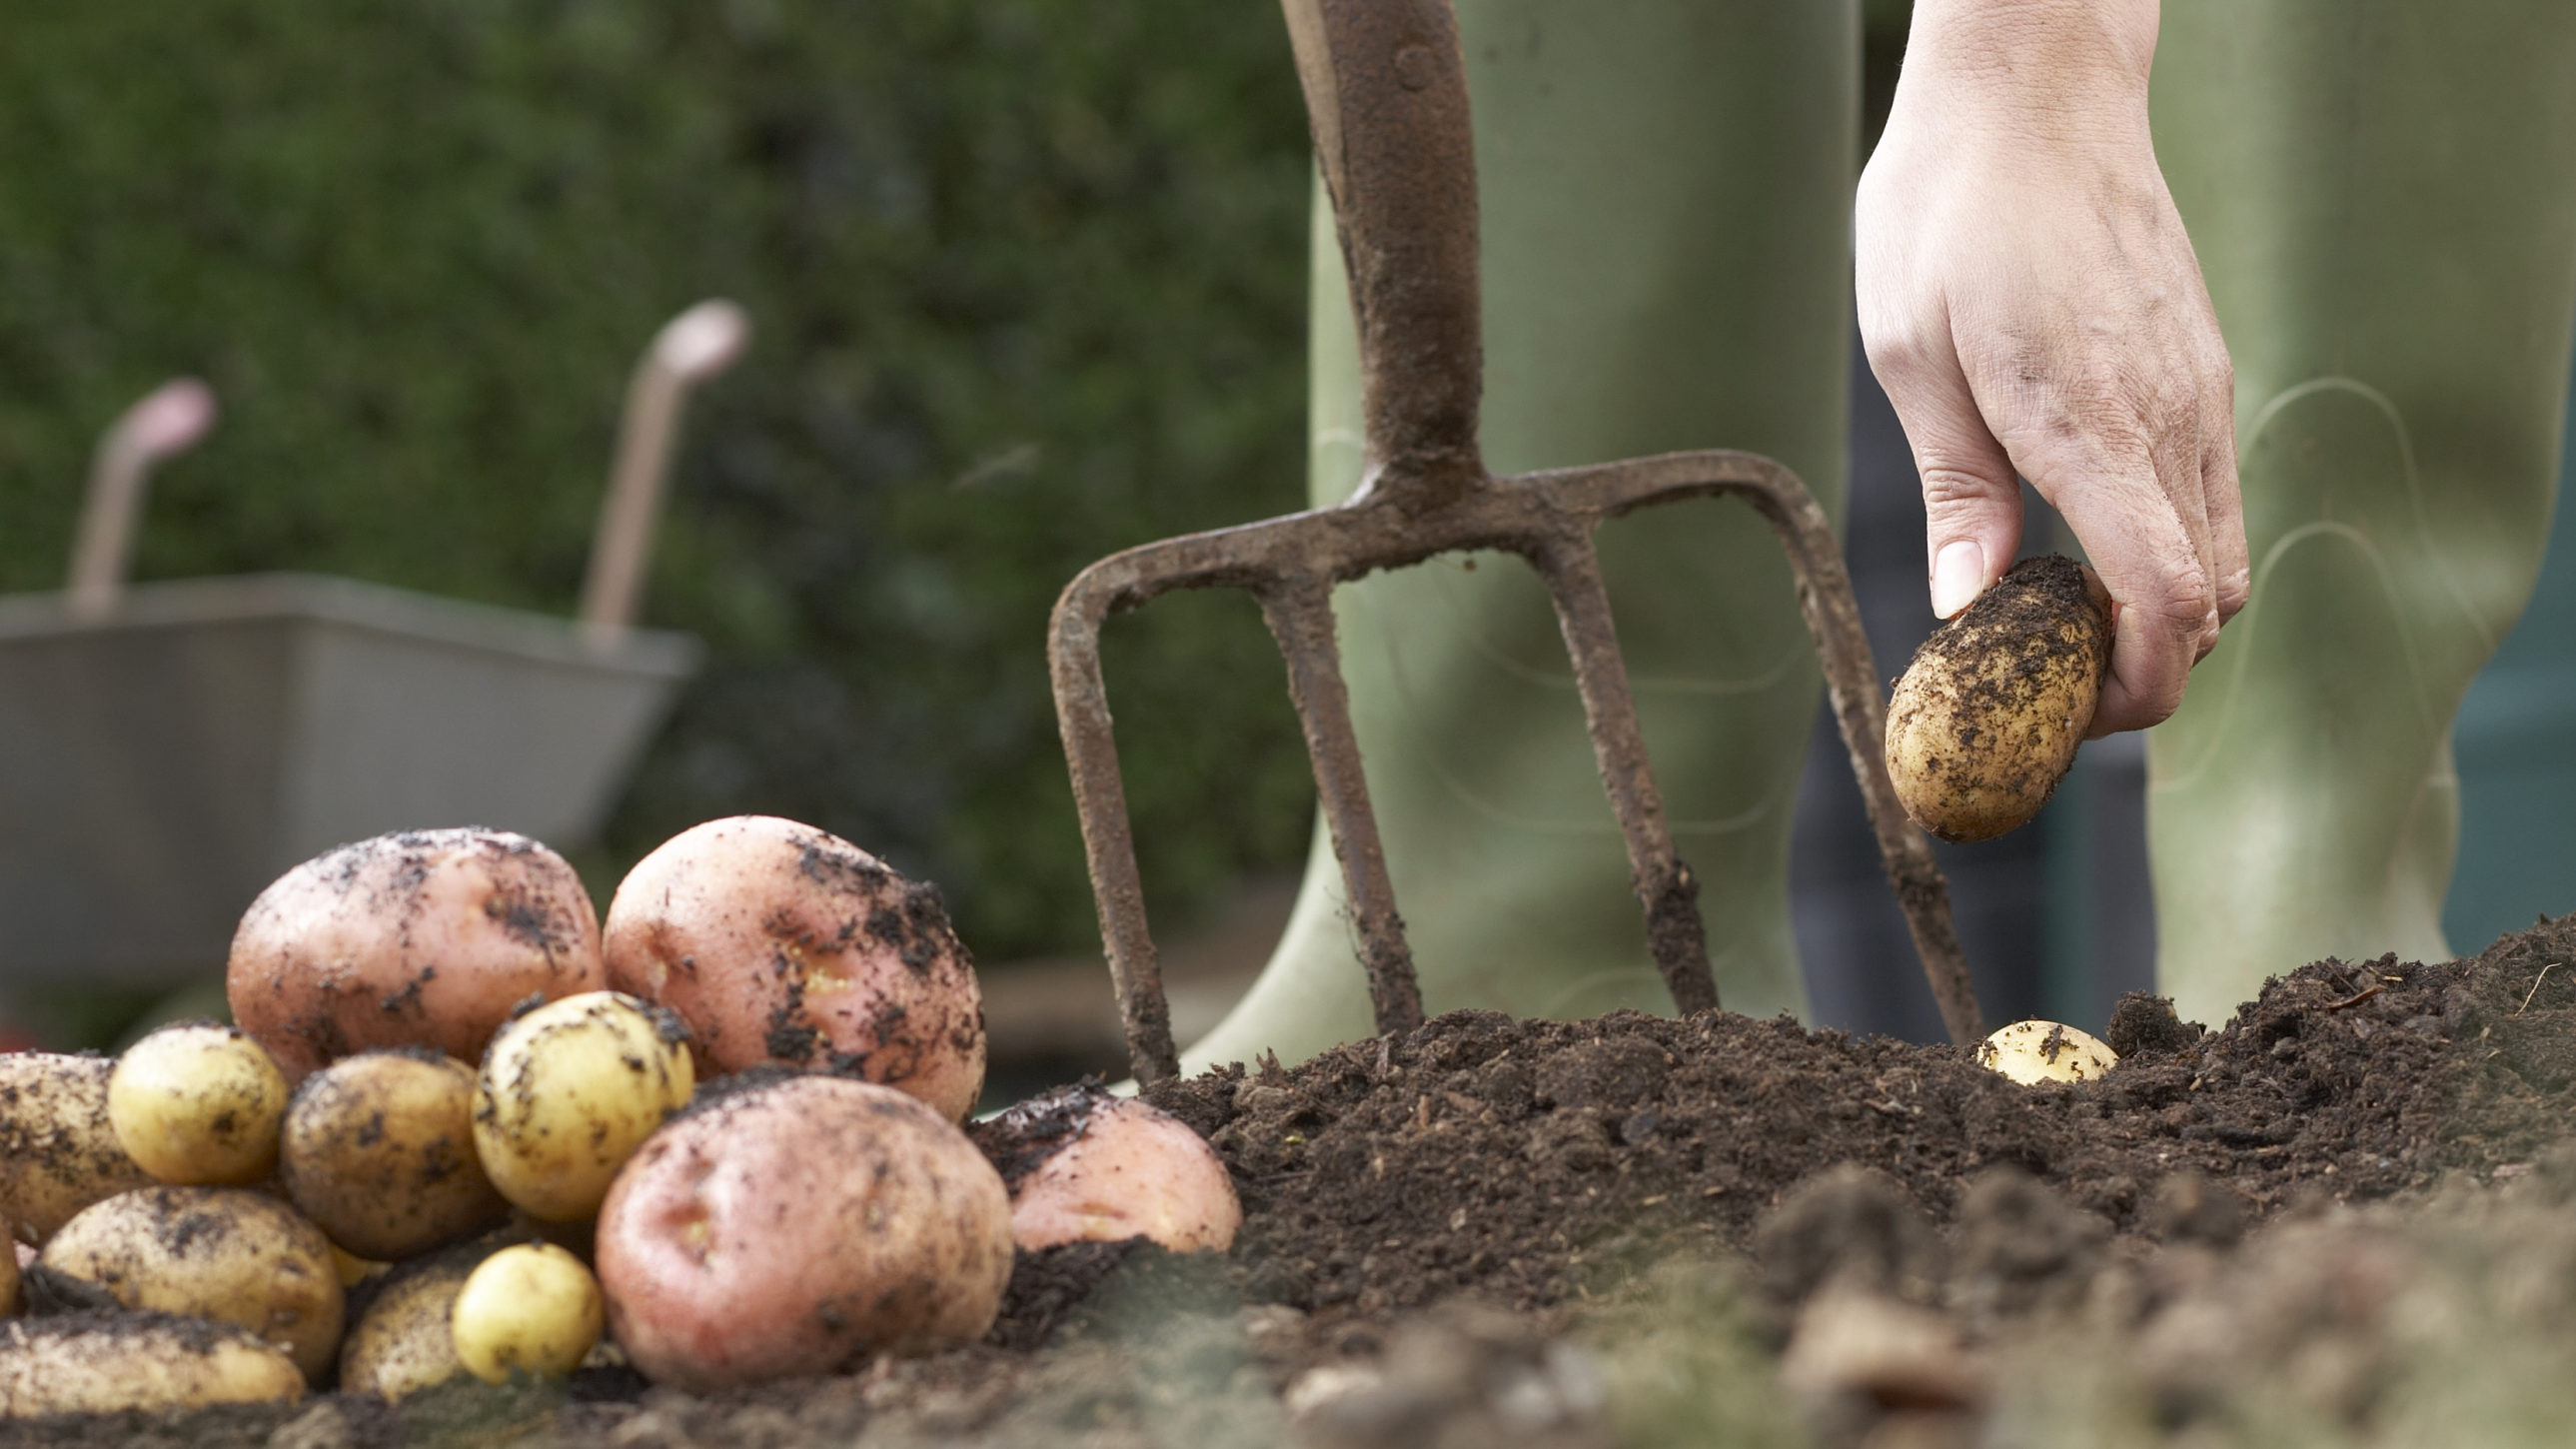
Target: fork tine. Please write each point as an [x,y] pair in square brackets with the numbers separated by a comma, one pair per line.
[1100,799]
[1664,884]
[1300,614]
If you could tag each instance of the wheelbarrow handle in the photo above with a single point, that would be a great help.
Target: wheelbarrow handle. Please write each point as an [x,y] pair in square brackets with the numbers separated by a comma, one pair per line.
[1386,96]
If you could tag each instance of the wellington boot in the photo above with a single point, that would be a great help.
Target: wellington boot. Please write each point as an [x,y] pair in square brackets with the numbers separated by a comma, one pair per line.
[2383,197]
[1666,193]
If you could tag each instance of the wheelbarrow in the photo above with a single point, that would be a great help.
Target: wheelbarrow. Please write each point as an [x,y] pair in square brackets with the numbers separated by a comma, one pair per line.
[1386,100]
[167,749]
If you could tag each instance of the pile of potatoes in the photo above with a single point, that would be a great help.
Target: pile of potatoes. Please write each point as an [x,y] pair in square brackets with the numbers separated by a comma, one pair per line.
[464,1127]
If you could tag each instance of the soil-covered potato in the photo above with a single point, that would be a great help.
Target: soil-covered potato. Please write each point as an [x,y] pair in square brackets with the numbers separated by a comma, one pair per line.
[422,938]
[569,1090]
[794,1224]
[107,1362]
[198,1104]
[379,1152]
[2031,1052]
[1987,719]
[401,1342]
[783,945]
[1085,1166]
[531,1308]
[58,1147]
[228,1254]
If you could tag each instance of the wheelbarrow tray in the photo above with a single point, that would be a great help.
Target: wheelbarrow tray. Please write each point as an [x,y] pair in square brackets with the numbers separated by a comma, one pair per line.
[159,768]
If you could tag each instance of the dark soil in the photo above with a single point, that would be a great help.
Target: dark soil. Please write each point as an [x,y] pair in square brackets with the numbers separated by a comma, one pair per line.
[1429,1220]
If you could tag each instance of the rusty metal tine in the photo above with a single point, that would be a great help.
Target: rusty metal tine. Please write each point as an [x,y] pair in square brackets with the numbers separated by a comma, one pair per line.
[1100,797]
[1664,884]
[1851,681]
[1300,615]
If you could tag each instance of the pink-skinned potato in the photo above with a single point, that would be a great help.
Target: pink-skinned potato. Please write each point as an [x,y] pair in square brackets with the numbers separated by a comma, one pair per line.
[1085,1166]
[793,1224]
[783,945]
[422,938]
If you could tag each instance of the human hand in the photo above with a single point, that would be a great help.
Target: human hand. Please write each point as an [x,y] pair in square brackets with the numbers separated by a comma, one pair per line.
[2032,306]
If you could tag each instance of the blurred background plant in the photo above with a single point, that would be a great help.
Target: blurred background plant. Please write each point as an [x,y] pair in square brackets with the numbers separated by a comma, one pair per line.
[1028,283]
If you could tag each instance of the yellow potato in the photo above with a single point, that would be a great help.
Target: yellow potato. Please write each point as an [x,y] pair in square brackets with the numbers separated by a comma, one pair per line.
[379,1151]
[198,1104]
[58,1149]
[402,1343]
[569,1091]
[1987,719]
[106,1363]
[2030,1052]
[531,1309]
[228,1254]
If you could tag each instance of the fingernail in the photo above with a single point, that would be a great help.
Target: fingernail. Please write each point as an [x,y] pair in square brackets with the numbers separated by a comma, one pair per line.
[1958,576]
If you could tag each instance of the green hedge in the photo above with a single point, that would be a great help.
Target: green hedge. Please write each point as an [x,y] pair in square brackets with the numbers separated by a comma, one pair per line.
[1029,279]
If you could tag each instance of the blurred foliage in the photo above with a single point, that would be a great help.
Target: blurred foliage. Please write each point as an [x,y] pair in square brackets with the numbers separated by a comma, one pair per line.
[1029,283]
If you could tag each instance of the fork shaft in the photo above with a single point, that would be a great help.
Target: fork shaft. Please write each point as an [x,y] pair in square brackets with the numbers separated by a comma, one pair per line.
[1664,884]
[1300,614]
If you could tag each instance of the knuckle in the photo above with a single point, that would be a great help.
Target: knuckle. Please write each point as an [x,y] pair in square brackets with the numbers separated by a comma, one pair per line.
[1950,487]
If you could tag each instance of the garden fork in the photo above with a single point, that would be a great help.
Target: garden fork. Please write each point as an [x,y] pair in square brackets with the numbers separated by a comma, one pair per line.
[1386,96]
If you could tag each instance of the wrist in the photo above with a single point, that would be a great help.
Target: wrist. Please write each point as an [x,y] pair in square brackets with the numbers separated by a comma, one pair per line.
[2050,70]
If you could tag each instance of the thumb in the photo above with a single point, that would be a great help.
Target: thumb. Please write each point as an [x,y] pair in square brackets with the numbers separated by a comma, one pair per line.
[1971,493]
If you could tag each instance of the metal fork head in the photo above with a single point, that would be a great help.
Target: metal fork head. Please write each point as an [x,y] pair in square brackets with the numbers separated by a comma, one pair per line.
[1386,95]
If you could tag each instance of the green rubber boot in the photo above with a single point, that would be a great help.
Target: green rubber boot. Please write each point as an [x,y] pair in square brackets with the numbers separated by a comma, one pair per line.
[1666,201]
[2383,197]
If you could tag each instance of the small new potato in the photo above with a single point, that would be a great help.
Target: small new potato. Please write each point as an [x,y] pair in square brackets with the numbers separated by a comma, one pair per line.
[1085,1166]
[1987,719]
[783,945]
[2031,1052]
[379,1151]
[422,938]
[223,1253]
[796,1224]
[58,1147]
[401,1342]
[531,1309]
[198,1105]
[567,1093]
[106,1362]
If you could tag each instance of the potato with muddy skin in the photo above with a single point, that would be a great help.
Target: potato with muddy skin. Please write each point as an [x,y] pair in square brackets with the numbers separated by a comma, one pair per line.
[401,1343]
[223,1253]
[782,945]
[569,1090]
[1987,719]
[58,1147]
[792,1224]
[1087,1167]
[109,1362]
[422,938]
[379,1152]
[198,1104]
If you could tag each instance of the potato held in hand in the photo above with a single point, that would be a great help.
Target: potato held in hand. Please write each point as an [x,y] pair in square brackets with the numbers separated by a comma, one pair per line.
[782,945]
[1987,718]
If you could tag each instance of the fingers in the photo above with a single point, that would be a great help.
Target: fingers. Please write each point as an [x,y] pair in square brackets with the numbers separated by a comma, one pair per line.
[2163,607]
[2231,565]
[1971,492]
